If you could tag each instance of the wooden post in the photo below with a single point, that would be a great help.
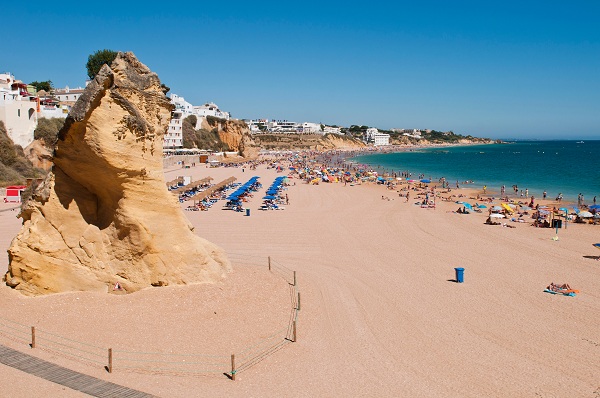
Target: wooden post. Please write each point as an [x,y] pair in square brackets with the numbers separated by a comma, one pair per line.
[294,278]
[269,263]
[110,360]
[233,371]
[294,332]
[33,337]
[298,306]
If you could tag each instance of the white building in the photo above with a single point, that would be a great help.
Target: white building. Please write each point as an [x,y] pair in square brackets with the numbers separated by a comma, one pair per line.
[256,126]
[173,137]
[332,130]
[378,139]
[68,96]
[18,110]
[182,105]
[284,126]
[210,109]
[261,126]
[312,128]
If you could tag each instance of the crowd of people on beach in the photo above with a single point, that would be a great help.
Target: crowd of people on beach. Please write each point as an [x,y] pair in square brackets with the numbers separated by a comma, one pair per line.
[333,166]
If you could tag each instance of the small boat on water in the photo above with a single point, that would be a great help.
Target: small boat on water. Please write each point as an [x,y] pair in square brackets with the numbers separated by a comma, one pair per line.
[580,142]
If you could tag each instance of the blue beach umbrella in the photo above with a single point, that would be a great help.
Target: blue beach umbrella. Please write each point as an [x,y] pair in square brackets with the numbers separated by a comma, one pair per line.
[481,206]
[597,246]
[467,205]
[426,180]
[269,197]
[594,207]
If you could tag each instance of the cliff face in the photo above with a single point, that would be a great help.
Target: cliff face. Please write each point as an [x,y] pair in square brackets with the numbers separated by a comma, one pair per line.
[234,133]
[333,141]
[306,141]
[103,214]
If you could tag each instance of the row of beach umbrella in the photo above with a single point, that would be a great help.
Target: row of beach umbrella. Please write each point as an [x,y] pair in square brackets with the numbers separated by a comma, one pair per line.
[274,188]
[251,184]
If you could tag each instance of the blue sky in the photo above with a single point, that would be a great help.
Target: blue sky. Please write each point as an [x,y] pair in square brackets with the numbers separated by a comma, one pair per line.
[490,69]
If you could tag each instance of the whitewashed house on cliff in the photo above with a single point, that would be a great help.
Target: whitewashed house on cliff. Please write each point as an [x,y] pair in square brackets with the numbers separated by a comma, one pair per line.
[210,109]
[18,109]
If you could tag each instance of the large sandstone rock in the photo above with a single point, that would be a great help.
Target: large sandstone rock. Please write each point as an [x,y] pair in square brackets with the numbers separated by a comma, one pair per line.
[104,215]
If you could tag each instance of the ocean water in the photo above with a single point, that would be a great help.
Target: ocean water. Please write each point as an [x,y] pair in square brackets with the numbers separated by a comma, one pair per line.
[567,167]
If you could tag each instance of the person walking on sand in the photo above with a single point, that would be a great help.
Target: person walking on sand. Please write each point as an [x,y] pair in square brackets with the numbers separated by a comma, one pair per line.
[544,195]
[407,195]
[484,188]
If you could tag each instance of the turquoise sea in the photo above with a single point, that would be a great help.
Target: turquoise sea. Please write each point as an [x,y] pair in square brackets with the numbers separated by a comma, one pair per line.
[567,167]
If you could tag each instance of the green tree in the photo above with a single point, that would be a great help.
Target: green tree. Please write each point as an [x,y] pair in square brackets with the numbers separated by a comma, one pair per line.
[97,59]
[45,85]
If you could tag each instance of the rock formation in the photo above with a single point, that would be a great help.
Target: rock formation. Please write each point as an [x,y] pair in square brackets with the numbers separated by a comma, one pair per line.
[39,155]
[103,214]
[235,133]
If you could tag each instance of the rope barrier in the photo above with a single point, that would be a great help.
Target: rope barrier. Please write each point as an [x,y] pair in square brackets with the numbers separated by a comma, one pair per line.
[249,356]
[73,348]
[171,362]
[174,370]
[71,340]
[168,354]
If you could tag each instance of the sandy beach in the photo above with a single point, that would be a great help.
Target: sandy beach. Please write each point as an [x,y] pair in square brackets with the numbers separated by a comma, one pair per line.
[380,314]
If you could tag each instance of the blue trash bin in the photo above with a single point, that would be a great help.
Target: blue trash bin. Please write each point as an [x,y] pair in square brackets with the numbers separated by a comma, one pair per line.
[248,212]
[460,277]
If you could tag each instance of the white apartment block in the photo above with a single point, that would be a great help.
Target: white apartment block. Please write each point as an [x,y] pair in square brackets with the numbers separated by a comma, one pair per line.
[378,139]
[18,110]
[173,137]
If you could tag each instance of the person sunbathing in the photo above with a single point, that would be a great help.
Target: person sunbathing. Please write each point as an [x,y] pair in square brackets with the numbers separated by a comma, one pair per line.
[562,288]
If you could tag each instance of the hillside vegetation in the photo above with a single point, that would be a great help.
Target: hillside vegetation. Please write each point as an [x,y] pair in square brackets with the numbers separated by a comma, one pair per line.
[14,166]
[201,138]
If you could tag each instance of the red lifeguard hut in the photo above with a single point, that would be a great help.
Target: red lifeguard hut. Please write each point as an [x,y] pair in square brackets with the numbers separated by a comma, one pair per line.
[13,193]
